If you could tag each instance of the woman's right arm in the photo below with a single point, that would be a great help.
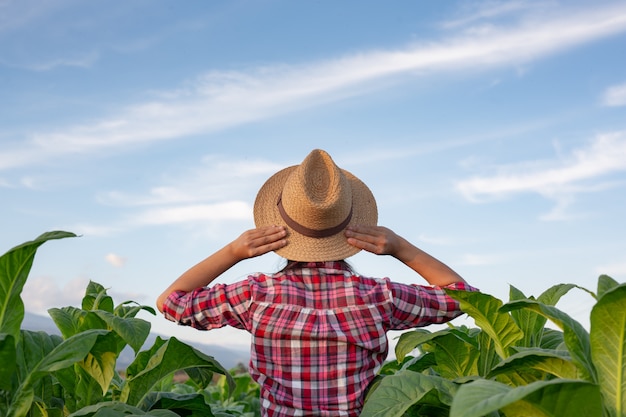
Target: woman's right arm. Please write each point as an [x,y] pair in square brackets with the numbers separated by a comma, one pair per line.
[249,244]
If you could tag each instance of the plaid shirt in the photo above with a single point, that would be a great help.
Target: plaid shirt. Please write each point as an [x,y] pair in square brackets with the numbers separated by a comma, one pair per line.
[318,330]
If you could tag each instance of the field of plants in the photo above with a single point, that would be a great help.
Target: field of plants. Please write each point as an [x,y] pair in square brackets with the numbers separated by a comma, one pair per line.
[511,364]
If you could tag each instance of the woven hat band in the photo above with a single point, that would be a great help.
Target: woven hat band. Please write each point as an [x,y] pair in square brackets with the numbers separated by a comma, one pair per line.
[305,231]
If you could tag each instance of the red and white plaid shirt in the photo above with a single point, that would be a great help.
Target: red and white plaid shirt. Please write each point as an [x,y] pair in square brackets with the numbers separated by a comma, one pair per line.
[318,330]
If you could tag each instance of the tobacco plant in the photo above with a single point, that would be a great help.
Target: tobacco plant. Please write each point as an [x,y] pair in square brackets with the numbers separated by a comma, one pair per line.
[75,374]
[511,364]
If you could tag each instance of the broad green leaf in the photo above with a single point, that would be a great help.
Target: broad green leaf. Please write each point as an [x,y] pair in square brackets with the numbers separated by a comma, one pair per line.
[126,311]
[409,341]
[32,348]
[550,362]
[418,364]
[485,310]
[15,266]
[397,393]
[201,377]
[575,336]
[132,330]
[552,295]
[605,284]
[531,323]
[164,358]
[554,398]
[71,320]
[63,355]
[117,409]
[85,391]
[454,357]
[551,339]
[96,298]
[525,319]
[608,348]
[101,359]
[187,404]
[8,357]
[488,357]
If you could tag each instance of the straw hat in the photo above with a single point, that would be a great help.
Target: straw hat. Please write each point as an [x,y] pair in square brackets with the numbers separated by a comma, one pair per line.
[316,201]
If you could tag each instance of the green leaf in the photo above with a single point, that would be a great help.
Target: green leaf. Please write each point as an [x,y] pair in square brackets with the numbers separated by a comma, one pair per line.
[15,266]
[551,339]
[575,336]
[101,359]
[132,330]
[605,284]
[485,310]
[8,357]
[409,341]
[108,409]
[531,323]
[397,393]
[554,398]
[71,320]
[193,405]
[164,358]
[96,298]
[549,362]
[126,311]
[608,348]
[32,348]
[455,358]
[418,364]
[63,355]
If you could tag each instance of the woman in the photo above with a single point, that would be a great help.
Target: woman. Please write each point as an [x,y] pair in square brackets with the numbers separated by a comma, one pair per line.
[318,328]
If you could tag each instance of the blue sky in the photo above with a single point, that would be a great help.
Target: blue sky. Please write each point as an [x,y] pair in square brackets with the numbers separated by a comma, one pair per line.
[493,135]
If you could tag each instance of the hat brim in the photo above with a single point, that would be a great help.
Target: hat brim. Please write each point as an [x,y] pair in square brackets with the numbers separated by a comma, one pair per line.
[308,249]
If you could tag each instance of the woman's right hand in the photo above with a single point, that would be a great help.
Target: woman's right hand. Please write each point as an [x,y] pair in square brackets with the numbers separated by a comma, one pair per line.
[256,242]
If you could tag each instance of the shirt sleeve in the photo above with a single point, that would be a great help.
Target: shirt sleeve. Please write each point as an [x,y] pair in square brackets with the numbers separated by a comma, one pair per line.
[210,308]
[419,305]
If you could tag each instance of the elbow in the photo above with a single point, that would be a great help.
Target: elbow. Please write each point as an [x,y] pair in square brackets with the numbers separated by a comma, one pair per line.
[160,301]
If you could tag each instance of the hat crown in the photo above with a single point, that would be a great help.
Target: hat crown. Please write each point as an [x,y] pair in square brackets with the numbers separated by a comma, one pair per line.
[315,201]
[317,195]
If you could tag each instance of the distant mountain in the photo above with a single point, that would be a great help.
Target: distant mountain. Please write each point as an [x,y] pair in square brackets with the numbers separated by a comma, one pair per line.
[227,357]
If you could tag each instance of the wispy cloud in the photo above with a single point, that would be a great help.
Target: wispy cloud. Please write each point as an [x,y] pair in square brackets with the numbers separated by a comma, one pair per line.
[232,210]
[615,96]
[115,260]
[479,11]
[214,179]
[559,179]
[84,61]
[219,100]
[15,14]
[41,293]
[216,191]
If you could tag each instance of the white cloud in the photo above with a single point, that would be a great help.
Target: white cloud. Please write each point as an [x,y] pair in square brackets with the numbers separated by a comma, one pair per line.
[233,210]
[221,100]
[84,61]
[487,10]
[115,260]
[42,293]
[615,96]
[557,178]
[213,180]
